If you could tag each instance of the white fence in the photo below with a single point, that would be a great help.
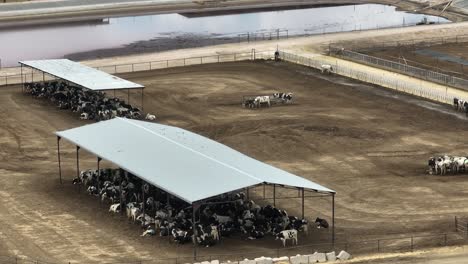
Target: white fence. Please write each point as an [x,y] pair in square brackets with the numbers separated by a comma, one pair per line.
[36,76]
[413,88]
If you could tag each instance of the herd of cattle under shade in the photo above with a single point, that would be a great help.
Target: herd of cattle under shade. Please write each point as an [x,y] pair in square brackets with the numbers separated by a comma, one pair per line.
[161,214]
[93,105]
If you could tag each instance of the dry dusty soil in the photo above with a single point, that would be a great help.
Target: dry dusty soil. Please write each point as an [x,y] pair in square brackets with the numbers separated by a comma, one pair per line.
[368,144]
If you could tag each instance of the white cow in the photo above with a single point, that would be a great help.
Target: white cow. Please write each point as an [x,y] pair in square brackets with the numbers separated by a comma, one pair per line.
[115,208]
[84,116]
[326,68]
[222,219]
[459,163]
[150,117]
[149,232]
[134,213]
[287,235]
[128,209]
[259,100]
[145,219]
[215,232]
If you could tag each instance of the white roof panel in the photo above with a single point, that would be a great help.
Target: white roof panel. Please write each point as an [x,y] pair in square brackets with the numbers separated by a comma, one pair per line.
[82,75]
[185,164]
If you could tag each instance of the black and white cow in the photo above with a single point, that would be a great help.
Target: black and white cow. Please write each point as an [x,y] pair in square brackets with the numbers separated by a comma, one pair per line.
[326,68]
[285,97]
[321,223]
[287,235]
[262,100]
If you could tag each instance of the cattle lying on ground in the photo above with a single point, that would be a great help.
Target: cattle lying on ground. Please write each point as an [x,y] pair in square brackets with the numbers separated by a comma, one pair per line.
[447,164]
[161,214]
[93,105]
[267,100]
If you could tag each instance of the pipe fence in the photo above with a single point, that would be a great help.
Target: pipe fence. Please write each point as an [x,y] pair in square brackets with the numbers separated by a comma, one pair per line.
[30,75]
[415,43]
[406,69]
[374,78]
[383,245]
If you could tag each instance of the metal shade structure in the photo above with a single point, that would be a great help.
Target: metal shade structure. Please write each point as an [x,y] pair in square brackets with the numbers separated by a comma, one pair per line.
[81,75]
[184,164]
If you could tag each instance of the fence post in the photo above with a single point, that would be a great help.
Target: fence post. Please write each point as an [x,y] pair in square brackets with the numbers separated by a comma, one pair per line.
[184,61]
[456,224]
[378,245]
[132,67]
[167,63]
[466,230]
[218,58]
[445,239]
[412,244]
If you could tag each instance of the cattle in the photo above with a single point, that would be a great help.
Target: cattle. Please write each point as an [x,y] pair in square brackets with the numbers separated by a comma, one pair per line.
[214,232]
[89,104]
[459,164]
[444,164]
[262,100]
[181,236]
[222,219]
[84,116]
[92,190]
[249,103]
[326,68]
[287,235]
[284,97]
[145,220]
[432,165]
[277,56]
[321,223]
[150,117]
[115,208]
[149,232]
[134,213]
[229,214]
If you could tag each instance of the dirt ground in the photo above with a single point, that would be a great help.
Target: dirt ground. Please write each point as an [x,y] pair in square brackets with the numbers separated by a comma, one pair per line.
[429,62]
[368,144]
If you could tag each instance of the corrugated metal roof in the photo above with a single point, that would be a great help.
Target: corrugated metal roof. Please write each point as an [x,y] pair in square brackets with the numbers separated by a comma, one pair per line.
[185,164]
[82,75]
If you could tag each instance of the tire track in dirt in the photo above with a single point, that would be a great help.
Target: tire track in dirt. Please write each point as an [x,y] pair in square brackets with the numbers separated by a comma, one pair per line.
[56,233]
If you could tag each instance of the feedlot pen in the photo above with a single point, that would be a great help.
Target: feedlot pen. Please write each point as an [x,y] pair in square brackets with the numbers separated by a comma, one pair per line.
[369,144]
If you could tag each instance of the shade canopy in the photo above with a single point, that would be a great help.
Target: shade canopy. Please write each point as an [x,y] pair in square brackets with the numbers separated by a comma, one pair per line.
[81,75]
[182,163]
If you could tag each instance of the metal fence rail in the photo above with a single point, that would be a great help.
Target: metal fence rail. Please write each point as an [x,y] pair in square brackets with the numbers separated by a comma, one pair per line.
[366,46]
[406,69]
[31,76]
[384,245]
[373,78]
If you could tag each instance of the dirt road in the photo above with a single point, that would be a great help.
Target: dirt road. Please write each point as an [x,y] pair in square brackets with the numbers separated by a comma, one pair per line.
[367,143]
